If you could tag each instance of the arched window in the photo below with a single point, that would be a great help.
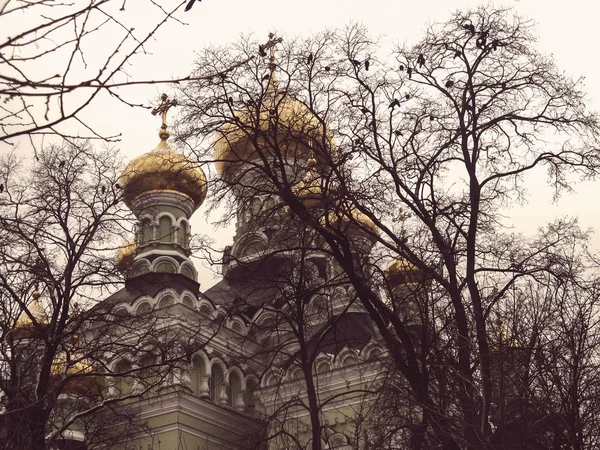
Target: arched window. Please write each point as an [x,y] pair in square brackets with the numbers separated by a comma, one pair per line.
[236,327]
[235,391]
[166,301]
[205,310]
[338,440]
[185,271]
[120,312]
[187,301]
[144,308]
[165,265]
[322,367]
[182,234]
[165,232]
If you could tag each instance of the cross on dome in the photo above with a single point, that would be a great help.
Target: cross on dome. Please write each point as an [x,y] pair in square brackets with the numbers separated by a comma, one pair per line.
[162,109]
[270,45]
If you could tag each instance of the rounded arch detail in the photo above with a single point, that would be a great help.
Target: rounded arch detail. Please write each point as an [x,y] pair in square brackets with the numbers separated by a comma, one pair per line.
[250,244]
[164,264]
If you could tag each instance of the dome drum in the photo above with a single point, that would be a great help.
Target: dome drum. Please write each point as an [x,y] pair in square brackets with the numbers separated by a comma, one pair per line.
[154,199]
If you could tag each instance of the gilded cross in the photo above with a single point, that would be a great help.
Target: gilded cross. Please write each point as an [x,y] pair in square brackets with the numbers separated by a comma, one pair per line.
[163,108]
[270,45]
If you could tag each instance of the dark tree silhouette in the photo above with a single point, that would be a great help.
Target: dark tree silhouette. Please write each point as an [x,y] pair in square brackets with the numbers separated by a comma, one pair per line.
[427,178]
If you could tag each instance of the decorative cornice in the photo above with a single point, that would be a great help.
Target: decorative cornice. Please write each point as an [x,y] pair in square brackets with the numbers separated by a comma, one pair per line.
[164,197]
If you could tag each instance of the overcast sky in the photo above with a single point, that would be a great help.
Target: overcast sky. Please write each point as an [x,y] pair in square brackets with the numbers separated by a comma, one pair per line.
[567,29]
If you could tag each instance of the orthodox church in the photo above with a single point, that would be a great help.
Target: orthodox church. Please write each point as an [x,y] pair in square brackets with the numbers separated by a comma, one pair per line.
[254,374]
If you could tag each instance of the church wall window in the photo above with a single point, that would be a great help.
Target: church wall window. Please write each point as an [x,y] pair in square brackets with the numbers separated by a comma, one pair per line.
[165,267]
[165,230]
[236,327]
[182,234]
[166,301]
[206,310]
[217,384]
[187,301]
[143,308]
[235,390]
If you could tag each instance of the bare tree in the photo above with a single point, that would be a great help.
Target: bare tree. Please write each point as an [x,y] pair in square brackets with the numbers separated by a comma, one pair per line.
[66,369]
[420,151]
[57,58]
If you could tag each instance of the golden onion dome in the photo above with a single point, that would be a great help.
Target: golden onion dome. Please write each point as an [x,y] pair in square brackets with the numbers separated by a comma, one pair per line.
[400,272]
[24,325]
[125,256]
[163,169]
[298,131]
[352,223]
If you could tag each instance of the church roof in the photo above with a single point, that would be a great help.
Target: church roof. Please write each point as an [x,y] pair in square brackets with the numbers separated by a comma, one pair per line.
[151,284]
[243,297]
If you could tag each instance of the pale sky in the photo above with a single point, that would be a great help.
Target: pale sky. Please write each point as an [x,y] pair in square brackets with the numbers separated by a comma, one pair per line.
[568,30]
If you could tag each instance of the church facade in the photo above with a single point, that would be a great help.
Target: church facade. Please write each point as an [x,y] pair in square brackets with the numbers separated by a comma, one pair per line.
[280,347]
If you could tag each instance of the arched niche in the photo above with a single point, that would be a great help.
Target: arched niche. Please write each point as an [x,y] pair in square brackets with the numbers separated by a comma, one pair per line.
[236,327]
[182,233]
[255,206]
[165,229]
[217,384]
[206,310]
[322,365]
[164,264]
[236,390]
[250,244]
[188,269]
[338,441]
[120,312]
[143,308]
[166,300]
[140,267]
[188,301]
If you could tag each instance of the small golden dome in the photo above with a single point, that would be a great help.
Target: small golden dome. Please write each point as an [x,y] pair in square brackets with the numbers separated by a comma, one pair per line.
[163,169]
[24,325]
[77,385]
[352,223]
[125,256]
[298,130]
[400,271]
